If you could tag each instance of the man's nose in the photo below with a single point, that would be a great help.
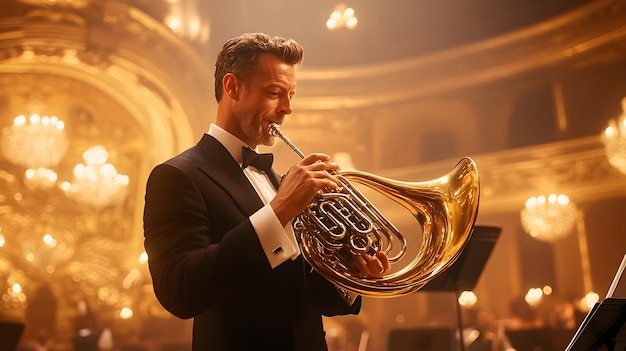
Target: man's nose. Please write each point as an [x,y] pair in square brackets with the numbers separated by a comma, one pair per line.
[286,105]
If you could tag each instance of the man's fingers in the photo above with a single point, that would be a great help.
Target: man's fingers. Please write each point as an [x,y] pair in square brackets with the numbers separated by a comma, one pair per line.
[384,260]
[371,266]
[315,157]
[374,265]
[360,261]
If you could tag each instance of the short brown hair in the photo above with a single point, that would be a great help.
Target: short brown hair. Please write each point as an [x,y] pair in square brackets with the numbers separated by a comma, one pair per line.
[239,55]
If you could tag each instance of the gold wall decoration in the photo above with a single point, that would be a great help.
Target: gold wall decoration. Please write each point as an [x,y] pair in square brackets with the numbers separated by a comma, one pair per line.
[120,81]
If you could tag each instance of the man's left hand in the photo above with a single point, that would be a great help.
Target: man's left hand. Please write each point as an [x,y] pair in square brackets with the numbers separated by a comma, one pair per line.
[373,266]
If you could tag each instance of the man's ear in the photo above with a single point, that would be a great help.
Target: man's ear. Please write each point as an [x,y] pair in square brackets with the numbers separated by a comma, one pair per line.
[231,86]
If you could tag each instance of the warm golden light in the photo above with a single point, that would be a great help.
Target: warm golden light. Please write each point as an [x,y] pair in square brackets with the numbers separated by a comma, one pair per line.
[126,313]
[131,278]
[143,258]
[183,19]
[40,178]
[468,298]
[174,23]
[342,16]
[16,288]
[49,241]
[614,138]
[548,218]
[96,182]
[351,22]
[588,301]
[547,290]
[534,296]
[13,296]
[35,142]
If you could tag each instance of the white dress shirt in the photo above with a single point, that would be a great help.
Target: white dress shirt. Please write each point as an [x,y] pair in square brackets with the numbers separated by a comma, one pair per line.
[278,242]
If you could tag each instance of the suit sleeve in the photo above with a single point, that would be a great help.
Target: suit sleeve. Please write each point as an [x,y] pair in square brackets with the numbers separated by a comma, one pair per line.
[329,299]
[194,265]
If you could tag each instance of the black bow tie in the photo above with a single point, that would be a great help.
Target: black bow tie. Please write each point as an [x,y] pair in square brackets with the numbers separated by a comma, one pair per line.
[262,162]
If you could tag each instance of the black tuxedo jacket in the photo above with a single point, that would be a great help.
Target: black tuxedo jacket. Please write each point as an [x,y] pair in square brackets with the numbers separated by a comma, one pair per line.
[207,262]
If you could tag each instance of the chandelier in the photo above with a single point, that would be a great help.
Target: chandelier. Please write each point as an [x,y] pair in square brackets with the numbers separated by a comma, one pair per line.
[40,178]
[35,142]
[96,182]
[43,246]
[614,138]
[548,218]
[342,16]
[45,237]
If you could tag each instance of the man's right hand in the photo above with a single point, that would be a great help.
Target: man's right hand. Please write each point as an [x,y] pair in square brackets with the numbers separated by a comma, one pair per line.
[300,185]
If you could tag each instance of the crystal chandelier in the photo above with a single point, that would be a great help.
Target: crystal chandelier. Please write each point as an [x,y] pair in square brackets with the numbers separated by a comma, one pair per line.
[548,218]
[40,178]
[614,138]
[44,251]
[35,142]
[96,182]
[342,16]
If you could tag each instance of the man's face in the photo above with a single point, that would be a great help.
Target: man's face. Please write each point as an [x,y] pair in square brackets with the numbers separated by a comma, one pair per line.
[265,98]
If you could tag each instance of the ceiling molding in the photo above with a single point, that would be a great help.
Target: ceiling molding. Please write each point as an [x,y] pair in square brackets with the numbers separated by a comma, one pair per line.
[563,39]
[578,167]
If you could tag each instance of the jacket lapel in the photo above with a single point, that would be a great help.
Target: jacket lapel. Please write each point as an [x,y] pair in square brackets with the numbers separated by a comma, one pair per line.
[226,172]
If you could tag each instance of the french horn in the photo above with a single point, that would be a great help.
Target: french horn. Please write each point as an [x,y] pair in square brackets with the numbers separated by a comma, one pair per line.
[338,225]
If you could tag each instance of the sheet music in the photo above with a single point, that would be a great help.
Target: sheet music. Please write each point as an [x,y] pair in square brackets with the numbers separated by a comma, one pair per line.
[618,287]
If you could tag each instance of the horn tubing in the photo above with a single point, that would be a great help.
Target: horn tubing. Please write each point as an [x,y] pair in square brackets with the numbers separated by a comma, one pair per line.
[446,209]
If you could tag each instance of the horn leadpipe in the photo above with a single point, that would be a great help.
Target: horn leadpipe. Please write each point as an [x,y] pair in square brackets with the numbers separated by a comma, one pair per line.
[274,130]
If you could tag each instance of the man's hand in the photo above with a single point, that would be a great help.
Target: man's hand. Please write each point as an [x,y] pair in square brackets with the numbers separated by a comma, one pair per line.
[373,266]
[300,185]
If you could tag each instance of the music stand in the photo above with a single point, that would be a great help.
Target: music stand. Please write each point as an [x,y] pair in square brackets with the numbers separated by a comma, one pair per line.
[10,334]
[465,271]
[605,322]
[601,327]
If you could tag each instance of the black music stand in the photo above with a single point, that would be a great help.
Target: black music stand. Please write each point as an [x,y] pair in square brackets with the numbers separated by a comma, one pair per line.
[601,327]
[465,271]
[10,334]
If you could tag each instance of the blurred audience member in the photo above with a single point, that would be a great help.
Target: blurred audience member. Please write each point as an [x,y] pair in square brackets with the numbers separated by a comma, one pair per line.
[486,334]
[41,341]
[524,316]
[562,315]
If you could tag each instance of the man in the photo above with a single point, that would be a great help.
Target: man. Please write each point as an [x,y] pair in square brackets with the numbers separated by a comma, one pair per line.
[217,232]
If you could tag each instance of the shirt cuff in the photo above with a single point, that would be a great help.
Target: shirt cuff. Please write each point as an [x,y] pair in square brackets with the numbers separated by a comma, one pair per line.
[278,242]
